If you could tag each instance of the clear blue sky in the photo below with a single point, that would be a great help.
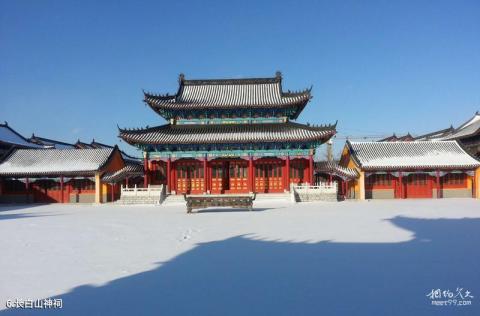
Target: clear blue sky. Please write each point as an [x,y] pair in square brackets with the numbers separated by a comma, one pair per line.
[76,69]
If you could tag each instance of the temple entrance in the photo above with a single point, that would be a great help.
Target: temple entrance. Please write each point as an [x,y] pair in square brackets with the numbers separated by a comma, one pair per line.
[189,177]
[269,176]
[229,176]
[297,170]
[158,172]
[419,185]
[219,176]
[237,175]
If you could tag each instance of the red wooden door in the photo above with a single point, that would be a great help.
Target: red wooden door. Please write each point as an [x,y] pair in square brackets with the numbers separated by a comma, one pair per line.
[189,177]
[418,185]
[297,171]
[237,176]
[218,177]
[269,176]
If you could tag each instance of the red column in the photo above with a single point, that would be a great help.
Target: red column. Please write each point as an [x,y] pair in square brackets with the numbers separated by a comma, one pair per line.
[27,188]
[205,177]
[145,170]
[169,175]
[400,182]
[69,190]
[287,174]
[174,178]
[126,182]
[474,186]
[210,178]
[112,188]
[61,190]
[437,173]
[250,174]
[310,168]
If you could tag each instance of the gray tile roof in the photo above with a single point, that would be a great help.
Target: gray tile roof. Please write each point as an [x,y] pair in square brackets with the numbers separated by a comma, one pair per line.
[229,93]
[55,162]
[228,133]
[411,155]
[11,137]
[467,129]
[130,170]
[47,142]
[436,135]
[331,167]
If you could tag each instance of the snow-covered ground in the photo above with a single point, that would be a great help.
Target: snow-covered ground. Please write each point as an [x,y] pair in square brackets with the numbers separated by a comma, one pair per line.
[348,258]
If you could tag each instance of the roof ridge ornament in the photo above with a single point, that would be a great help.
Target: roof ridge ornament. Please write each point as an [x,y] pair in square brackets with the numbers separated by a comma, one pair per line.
[181,78]
[278,75]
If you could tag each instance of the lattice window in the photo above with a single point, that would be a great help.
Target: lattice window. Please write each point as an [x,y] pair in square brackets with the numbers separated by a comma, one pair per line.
[82,184]
[379,181]
[455,180]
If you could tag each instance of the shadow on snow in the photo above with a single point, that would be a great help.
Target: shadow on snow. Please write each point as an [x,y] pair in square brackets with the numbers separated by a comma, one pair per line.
[230,209]
[15,207]
[241,276]
[22,215]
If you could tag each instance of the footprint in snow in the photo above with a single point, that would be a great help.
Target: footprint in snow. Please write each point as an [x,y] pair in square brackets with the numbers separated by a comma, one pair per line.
[186,235]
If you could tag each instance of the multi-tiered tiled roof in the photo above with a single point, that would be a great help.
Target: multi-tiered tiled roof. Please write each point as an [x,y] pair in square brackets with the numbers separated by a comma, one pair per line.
[227,112]
[228,133]
[218,94]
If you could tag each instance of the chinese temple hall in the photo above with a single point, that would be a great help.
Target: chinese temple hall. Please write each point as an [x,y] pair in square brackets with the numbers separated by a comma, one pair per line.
[410,169]
[229,136]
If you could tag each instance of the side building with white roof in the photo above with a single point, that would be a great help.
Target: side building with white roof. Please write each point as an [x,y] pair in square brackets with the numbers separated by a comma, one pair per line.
[59,175]
[411,169]
[43,170]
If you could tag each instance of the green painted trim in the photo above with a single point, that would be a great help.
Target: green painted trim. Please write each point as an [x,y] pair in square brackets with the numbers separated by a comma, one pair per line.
[246,120]
[230,153]
[239,112]
[243,148]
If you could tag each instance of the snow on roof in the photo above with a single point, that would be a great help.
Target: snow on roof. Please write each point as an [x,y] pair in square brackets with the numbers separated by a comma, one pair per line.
[10,136]
[413,155]
[54,162]
[228,133]
[230,93]
[52,143]
[331,167]
[468,128]
[474,119]
[130,170]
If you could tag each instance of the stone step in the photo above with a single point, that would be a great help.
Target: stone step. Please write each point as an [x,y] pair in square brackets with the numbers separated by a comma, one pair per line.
[173,199]
[138,200]
[273,196]
[178,199]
